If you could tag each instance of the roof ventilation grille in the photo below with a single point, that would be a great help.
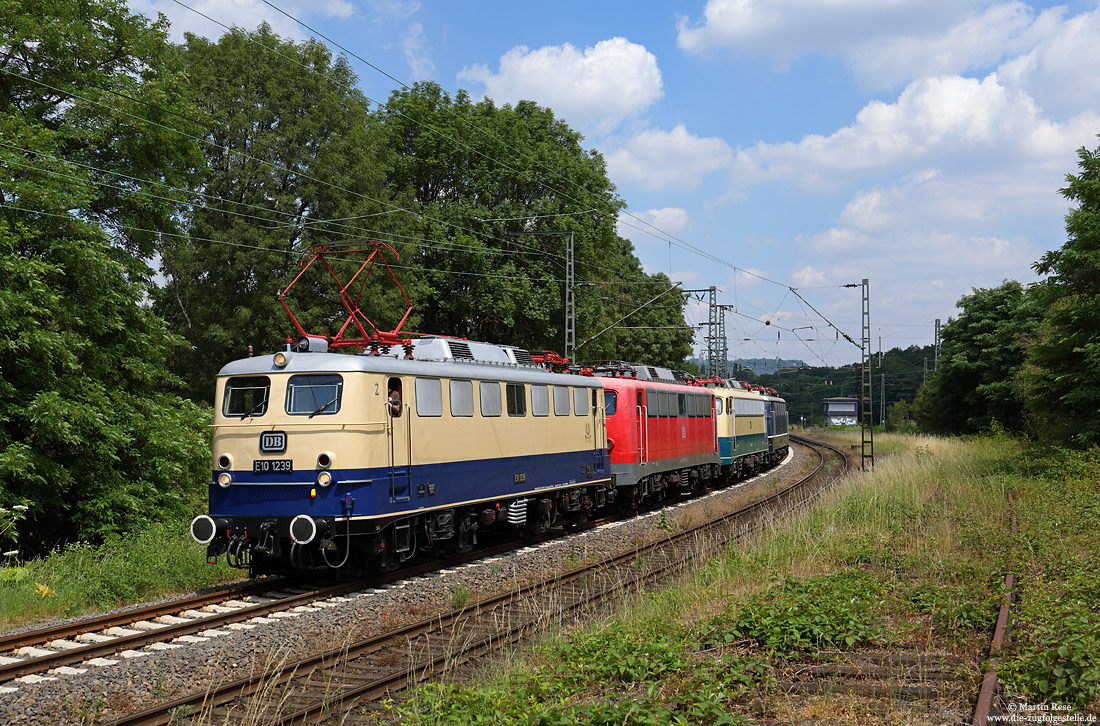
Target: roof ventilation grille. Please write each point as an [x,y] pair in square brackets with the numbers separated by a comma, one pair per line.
[460,350]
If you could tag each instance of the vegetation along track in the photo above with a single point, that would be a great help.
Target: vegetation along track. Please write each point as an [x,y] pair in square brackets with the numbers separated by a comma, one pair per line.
[339,680]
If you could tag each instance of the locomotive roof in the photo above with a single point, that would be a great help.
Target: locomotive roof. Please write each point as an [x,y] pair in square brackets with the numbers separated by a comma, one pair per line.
[502,366]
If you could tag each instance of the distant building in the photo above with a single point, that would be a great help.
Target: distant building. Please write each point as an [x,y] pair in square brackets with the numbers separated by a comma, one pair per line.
[841,411]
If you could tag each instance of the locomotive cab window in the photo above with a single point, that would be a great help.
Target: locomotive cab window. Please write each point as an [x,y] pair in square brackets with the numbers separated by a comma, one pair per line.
[314,395]
[718,406]
[516,395]
[610,402]
[246,396]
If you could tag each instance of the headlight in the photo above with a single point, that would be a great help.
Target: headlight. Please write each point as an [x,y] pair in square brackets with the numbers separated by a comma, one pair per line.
[225,479]
[225,461]
[324,479]
[281,359]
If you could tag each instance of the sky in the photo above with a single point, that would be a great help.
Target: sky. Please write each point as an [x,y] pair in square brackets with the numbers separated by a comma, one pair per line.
[765,145]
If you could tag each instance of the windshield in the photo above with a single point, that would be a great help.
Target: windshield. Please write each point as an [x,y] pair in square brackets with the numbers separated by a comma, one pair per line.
[315,395]
[246,396]
[610,402]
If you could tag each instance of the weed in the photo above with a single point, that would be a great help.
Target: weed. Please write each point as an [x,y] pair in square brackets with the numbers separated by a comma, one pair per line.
[806,615]
[460,597]
[90,708]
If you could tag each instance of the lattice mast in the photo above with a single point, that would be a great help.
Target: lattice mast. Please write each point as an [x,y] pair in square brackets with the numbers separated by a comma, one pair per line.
[866,423]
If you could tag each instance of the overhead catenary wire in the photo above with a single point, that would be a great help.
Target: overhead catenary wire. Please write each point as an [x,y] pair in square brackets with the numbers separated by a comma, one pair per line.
[649,226]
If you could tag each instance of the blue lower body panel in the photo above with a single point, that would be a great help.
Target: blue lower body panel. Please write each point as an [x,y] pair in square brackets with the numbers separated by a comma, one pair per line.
[383,492]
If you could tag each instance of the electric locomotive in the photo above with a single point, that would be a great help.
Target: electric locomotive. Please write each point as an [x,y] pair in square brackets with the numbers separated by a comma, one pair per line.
[326,460]
[661,432]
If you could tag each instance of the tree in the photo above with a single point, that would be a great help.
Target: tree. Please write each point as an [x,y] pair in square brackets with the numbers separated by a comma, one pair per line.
[1061,381]
[291,160]
[91,163]
[980,354]
[479,174]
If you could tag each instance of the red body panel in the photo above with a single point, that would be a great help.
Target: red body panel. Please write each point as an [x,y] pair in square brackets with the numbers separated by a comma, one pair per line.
[666,437]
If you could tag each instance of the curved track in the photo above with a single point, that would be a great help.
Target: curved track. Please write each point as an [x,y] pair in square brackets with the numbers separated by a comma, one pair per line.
[314,688]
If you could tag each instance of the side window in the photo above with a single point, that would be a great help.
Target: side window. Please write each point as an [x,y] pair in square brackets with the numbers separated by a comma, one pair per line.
[681,404]
[429,397]
[652,403]
[718,406]
[517,399]
[729,405]
[610,402]
[580,401]
[246,397]
[490,398]
[462,398]
[314,395]
[540,401]
[561,401]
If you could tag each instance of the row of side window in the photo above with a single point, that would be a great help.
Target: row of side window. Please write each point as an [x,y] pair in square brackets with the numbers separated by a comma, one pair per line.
[668,404]
[429,398]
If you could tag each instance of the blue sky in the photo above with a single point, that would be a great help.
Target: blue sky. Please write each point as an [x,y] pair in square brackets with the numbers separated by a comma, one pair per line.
[917,143]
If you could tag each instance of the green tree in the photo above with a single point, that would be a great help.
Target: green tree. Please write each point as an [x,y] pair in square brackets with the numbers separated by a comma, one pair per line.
[291,160]
[981,352]
[479,174]
[1061,381]
[90,430]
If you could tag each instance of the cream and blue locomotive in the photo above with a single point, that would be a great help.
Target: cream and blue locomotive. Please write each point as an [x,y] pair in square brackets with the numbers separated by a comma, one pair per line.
[360,461]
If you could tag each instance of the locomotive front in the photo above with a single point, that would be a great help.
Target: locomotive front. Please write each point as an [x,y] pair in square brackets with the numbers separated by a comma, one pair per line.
[294,436]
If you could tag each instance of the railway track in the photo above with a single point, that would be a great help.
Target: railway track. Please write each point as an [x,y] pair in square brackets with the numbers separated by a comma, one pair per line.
[340,680]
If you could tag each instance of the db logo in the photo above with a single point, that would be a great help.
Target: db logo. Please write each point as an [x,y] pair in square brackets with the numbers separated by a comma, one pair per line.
[273,442]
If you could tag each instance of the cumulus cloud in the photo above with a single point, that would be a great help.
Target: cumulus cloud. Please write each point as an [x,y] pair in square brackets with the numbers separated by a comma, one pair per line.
[946,123]
[652,225]
[247,14]
[674,159]
[884,43]
[1053,71]
[597,88]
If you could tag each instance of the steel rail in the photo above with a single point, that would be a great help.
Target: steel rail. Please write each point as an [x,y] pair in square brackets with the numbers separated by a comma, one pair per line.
[120,619]
[80,654]
[989,680]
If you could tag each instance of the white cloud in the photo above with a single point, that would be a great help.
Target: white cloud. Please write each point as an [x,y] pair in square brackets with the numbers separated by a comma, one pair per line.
[246,14]
[884,43]
[652,225]
[950,124]
[611,81]
[668,219]
[412,45]
[674,159]
[1054,71]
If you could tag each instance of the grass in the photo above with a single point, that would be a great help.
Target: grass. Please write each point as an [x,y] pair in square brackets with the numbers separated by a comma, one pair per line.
[81,578]
[910,556]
